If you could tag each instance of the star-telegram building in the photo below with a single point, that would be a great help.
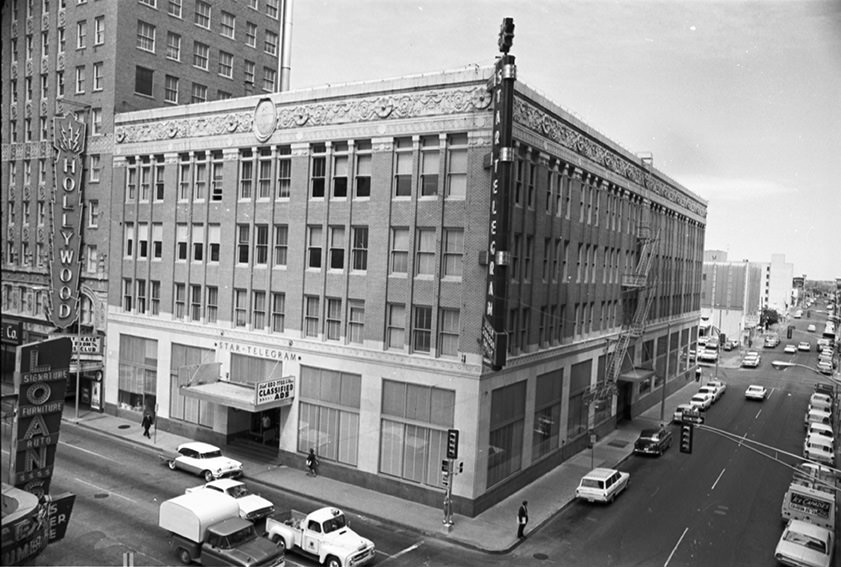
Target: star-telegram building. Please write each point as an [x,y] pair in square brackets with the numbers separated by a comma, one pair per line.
[322,270]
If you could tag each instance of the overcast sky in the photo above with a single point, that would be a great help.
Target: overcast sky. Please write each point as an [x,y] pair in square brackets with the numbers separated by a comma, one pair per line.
[739,101]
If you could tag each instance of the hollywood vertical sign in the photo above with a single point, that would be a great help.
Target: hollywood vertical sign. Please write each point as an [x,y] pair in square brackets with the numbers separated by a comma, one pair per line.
[66,238]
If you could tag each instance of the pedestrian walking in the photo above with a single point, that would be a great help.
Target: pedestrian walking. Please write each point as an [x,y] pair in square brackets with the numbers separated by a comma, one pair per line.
[146,423]
[312,464]
[522,519]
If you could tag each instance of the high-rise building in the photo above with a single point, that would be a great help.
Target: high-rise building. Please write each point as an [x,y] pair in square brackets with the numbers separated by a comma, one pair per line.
[95,58]
[320,271]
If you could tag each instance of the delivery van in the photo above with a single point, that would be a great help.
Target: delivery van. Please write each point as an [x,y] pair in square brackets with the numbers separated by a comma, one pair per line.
[819,449]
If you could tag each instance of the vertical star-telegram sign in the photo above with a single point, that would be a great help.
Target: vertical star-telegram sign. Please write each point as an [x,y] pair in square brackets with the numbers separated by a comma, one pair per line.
[66,237]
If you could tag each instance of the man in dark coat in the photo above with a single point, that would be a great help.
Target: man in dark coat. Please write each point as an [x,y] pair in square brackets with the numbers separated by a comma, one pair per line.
[522,518]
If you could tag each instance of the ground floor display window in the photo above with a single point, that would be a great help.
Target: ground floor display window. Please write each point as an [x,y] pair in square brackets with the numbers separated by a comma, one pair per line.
[138,378]
[414,430]
[328,414]
[183,408]
[577,418]
[547,413]
[505,446]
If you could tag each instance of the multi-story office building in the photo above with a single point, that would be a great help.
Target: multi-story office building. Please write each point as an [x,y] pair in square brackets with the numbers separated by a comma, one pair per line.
[95,58]
[314,271]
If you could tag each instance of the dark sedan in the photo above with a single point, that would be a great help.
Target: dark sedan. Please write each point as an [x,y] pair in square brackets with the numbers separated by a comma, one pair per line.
[653,441]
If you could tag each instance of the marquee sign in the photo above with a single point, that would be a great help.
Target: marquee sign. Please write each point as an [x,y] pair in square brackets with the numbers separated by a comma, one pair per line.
[275,390]
[66,238]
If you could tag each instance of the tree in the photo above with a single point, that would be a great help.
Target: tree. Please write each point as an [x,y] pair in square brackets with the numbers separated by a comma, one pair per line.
[768,317]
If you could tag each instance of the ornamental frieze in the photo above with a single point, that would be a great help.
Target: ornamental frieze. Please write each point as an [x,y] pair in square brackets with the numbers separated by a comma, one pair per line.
[60,62]
[14,69]
[45,21]
[185,128]
[45,106]
[28,69]
[62,16]
[45,65]
[541,122]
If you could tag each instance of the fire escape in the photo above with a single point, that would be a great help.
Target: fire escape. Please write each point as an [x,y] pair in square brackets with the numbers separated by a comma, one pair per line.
[635,285]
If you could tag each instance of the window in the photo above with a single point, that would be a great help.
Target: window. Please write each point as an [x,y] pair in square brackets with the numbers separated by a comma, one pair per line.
[80,79]
[270,45]
[217,167]
[181,236]
[228,24]
[145,36]
[45,134]
[45,44]
[42,213]
[201,53]
[356,321]
[314,236]
[127,294]
[62,41]
[174,8]
[319,166]
[171,89]
[264,166]
[250,34]
[81,34]
[154,296]
[278,311]
[199,93]
[99,30]
[142,240]
[359,248]
[211,309]
[246,174]
[143,81]
[184,178]
[281,244]
[28,88]
[506,431]
[403,167]
[222,95]
[248,70]
[200,182]
[173,46]
[140,292]
[333,319]
[399,250]
[272,8]
[421,328]
[96,121]
[94,168]
[337,247]
[157,241]
[258,309]
[453,252]
[396,326]
[240,313]
[328,416]
[425,255]
[202,16]
[150,3]
[269,76]
[284,171]
[429,166]
[97,76]
[226,64]
[129,240]
[261,245]
[59,83]
[198,242]
[449,332]
[214,242]
[457,166]
[310,316]
[93,213]
[243,246]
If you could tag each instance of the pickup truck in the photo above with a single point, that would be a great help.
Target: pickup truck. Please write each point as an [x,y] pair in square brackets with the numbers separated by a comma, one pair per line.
[205,526]
[814,504]
[323,535]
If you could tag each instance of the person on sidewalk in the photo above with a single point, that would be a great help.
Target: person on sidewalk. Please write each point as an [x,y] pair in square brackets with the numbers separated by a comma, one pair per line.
[522,519]
[146,423]
[312,464]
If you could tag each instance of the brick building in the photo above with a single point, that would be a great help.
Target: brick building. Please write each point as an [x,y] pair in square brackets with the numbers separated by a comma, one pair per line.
[313,274]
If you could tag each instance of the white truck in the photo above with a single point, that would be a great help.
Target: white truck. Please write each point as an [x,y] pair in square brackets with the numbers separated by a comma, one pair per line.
[810,502]
[323,535]
[205,527]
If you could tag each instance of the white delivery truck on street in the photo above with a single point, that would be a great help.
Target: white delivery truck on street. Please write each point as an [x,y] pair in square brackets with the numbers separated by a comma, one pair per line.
[323,535]
[205,527]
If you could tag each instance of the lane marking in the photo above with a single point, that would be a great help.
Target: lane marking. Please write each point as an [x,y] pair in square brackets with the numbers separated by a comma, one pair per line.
[407,550]
[85,450]
[107,490]
[719,478]
[757,414]
[686,529]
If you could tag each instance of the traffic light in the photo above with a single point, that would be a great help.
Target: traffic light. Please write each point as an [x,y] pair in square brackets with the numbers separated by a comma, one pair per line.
[452,443]
[686,432]
[506,34]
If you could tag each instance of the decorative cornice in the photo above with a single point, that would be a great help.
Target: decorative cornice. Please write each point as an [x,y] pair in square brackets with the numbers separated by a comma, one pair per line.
[543,123]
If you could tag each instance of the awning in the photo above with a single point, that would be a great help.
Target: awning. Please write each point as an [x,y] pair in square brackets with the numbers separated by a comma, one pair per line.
[636,375]
[87,366]
[240,396]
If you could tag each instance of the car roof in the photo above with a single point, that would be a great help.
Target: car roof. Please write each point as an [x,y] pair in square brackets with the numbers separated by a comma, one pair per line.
[198,446]
[651,432]
[225,483]
[756,387]
[600,473]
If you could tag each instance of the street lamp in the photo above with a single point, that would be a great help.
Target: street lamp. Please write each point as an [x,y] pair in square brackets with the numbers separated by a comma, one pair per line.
[782,365]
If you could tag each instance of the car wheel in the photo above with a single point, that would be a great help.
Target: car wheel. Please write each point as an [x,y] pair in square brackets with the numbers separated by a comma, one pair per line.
[279,542]
[333,562]
[171,465]
[208,476]
[184,556]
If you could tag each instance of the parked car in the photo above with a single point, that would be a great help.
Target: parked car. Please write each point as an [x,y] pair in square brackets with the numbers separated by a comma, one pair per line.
[602,485]
[701,401]
[711,390]
[252,507]
[825,367]
[771,341]
[805,346]
[805,544]
[677,416]
[730,344]
[755,392]
[653,441]
[720,386]
[751,359]
[712,344]
[708,355]
[790,349]
[811,328]
[205,460]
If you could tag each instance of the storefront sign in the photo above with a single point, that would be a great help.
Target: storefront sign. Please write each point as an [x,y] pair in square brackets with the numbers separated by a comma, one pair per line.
[87,344]
[66,238]
[258,351]
[27,535]
[41,381]
[12,333]
[275,390]
[60,508]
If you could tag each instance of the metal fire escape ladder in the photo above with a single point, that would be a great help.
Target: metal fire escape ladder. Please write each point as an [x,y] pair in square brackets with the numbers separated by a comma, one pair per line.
[636,282]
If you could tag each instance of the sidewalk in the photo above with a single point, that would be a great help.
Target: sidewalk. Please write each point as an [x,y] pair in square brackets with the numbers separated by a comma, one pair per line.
[494,530]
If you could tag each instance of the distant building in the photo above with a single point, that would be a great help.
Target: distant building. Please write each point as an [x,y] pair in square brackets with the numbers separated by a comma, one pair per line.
[315,274]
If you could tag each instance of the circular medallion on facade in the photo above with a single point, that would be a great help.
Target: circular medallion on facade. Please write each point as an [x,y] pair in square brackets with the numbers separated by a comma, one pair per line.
[265,119]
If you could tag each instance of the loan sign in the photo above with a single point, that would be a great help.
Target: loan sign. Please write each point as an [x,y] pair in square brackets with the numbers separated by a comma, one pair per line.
[66,237]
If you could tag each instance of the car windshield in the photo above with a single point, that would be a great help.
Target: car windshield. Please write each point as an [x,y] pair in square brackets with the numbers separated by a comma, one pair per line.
[211,454]
[241,536]
[806,541]
[239,491]
[589,483]
[336,523]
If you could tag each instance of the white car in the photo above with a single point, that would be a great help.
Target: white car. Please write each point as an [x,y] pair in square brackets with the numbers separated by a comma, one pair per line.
[755,392]
[252,507]
[701,401]
[825,367]
[805,544]
[751,360]
[677,416]
[205,460]
[805,346]
[810,328]
[711,390]
[718,385]
[602,485]
[790,349]
[708,355]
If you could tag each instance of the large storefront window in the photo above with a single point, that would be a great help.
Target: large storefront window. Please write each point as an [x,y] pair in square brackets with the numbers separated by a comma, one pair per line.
[184,408]
[251,370]
[138,373]
[579,381]
[602,408]
[547,413]
[328,415]
[505,444]
[414,430]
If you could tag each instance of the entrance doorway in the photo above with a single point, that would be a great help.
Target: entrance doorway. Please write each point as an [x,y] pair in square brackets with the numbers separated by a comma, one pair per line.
[623,401]
[265,427]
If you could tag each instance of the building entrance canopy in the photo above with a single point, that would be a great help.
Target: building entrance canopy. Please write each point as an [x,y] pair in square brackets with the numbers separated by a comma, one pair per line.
[240,396]
[636,375]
